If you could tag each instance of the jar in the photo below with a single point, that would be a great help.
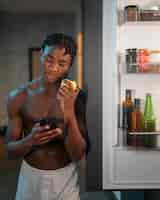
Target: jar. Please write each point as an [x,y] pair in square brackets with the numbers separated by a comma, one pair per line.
[131,61]
[143,60]
[131,13]
[154,57]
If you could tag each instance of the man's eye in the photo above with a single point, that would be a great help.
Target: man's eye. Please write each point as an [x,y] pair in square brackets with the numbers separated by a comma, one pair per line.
[61,64]
[49,60]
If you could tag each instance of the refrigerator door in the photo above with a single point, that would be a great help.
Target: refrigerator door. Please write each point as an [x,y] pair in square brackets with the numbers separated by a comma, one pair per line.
[123,167]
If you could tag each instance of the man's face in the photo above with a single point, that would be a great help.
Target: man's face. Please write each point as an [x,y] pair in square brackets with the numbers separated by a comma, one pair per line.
[55,62]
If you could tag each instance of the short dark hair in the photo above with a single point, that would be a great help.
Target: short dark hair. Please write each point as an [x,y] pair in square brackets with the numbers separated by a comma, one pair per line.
[63,41]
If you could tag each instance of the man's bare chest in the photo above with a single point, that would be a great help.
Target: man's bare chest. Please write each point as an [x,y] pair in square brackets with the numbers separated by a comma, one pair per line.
[38,106]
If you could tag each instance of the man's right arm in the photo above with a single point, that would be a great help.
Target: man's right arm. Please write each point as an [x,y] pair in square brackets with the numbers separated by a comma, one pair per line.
[16,148]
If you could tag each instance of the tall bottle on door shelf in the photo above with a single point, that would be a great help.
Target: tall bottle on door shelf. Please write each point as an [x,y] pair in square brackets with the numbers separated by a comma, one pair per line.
[136,117]
[136,123]
[149,117]
[127,107]
[149,121]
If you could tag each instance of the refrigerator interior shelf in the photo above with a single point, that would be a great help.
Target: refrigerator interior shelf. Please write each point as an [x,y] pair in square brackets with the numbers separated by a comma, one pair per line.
[145,133]
[135,148]
[140,23]
[143,73]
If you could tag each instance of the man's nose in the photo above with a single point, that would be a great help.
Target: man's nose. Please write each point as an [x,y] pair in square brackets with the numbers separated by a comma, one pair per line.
[54,67]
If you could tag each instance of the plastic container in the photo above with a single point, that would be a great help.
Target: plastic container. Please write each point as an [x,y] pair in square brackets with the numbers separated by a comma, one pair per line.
[131,13]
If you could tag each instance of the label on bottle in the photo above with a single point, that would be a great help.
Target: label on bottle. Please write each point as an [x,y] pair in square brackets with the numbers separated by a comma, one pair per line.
[149,126]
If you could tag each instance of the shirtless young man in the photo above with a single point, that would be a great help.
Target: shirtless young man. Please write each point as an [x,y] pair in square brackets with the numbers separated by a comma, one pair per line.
[48,168]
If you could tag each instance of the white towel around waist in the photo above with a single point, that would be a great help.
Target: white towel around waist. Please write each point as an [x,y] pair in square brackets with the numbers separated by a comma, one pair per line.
[59,184]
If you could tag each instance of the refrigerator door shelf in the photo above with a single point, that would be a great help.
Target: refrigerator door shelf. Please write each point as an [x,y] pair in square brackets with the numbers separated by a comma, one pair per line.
[141,140]
[144,133]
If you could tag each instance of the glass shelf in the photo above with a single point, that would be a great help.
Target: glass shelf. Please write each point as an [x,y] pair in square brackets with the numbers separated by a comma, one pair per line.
[137,140]
[134,148]
[143,73]
[141,23]
[145,133]
[135,68]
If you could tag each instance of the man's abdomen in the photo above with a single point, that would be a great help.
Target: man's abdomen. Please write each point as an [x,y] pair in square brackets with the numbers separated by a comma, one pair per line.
[48,157]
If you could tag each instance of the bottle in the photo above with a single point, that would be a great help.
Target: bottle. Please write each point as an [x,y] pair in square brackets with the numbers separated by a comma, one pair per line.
[136,123]
[124,126]
[127,107]
[148,121]
[136,117]
[148,117]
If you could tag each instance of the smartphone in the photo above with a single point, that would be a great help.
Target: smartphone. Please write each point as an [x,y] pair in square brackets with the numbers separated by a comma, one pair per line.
[51,122]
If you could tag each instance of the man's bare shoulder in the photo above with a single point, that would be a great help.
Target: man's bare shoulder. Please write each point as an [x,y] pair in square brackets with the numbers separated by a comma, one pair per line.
[17,97]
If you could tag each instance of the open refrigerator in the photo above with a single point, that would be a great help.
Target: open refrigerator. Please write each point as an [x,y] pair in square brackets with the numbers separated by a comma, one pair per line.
[130,166]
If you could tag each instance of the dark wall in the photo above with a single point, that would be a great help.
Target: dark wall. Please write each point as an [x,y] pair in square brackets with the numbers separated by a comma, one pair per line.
[92,26]
[18,33]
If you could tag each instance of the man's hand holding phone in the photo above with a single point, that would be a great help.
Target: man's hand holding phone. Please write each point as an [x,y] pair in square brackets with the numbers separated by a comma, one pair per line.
[42,134]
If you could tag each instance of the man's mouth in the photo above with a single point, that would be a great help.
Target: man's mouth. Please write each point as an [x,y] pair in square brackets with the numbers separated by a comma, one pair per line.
[49,76]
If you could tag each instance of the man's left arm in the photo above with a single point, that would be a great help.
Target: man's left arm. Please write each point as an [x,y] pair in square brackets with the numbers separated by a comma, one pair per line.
[77,141]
